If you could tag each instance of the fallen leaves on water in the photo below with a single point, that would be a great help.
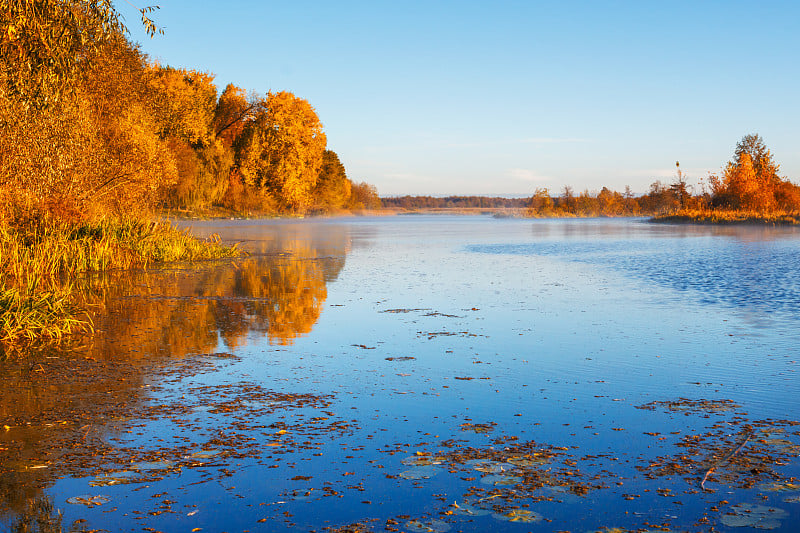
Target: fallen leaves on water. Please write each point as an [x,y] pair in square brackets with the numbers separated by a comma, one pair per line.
[478,428]
[465,509]
[427,526]
[753,515]
[89,500]
[518,515]
[691,406]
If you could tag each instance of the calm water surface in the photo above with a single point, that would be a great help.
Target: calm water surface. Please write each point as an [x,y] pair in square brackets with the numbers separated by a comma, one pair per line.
[427,374]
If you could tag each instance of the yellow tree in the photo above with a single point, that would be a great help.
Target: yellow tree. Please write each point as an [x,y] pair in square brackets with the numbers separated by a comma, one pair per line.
[363,196]
[280,150]
[745,188]
[750,181]
[233,111]
[333,189]
[541,203]
[184,102]
[45,44]
[95,148]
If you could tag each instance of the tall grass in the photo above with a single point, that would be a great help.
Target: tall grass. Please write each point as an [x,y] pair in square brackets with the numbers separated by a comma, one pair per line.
[28,314]
[41,258]
[719,216]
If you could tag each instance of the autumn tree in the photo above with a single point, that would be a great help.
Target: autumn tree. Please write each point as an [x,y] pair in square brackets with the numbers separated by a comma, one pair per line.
[659,199]
[566,201]
[233,111]
[280,151]
[332,190]
[541,204]
[610,203]
[95,148]
[364,196]
[183,101]
[750,180]
[45,44]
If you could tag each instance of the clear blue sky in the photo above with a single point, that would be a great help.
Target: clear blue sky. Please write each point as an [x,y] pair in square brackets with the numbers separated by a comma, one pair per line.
[502,97]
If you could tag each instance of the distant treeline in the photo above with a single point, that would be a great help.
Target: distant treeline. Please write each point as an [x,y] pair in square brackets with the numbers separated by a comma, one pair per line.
[748,185]
[432,202]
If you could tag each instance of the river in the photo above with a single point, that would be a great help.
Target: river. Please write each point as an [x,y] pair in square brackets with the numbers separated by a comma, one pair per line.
[424,373]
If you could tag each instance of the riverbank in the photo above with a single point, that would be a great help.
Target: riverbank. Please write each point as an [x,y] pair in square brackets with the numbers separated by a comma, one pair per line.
[221,213]
[690,216]
[43,258]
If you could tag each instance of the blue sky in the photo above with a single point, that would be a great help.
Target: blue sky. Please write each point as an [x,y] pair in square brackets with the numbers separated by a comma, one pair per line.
[502,97]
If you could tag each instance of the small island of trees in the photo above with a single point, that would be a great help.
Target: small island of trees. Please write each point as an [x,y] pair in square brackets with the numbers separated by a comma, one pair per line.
[749,189]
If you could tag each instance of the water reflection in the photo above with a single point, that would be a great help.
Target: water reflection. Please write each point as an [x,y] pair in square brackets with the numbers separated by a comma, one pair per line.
[277,292]
[62,403]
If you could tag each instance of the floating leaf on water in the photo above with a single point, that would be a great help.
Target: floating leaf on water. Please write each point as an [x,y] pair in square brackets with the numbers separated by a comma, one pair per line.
[562,494]
[404,358]
[300,494]
[465,509]
[88,500]
[478,428]
[491,467]
[420,472]
[528,461]
[779,442]
[697,406]
[518,515]
[428,526]
[792,499]
[204,454]
[222,355]
[737,520]
[349,528]
[420,460]
[779,487]
[768,523]
[152,465]
[117,478]
[501,480]
[486,503]
[751,515]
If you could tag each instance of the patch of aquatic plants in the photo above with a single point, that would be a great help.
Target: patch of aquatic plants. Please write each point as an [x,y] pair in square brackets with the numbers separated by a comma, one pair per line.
[42,258]
[28,314]
[720,216]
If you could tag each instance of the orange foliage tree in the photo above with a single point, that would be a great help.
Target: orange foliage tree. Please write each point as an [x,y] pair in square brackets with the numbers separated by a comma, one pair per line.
[751,181]
[332,190]
[280,150]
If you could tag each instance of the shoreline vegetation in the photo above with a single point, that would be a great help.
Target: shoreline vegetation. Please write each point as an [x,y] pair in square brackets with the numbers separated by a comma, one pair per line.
[719,217]
[40,298]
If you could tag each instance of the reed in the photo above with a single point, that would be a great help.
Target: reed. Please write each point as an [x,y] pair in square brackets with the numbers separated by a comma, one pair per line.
[720,216]
[28,315]
[41,258]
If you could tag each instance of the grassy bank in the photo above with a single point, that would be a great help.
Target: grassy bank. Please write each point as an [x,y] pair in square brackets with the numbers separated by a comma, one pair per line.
[708,216]
[41,258]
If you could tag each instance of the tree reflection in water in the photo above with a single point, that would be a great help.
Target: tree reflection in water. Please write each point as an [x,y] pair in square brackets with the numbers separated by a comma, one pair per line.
[60,403]
[278,293]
